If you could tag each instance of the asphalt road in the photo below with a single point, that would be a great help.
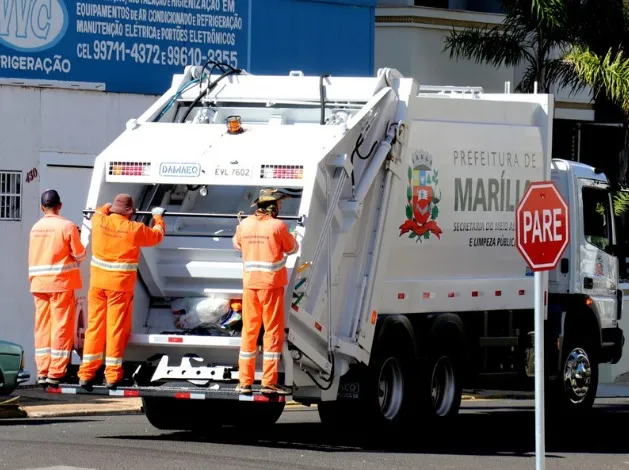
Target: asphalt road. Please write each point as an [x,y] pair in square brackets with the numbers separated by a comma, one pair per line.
[488,435]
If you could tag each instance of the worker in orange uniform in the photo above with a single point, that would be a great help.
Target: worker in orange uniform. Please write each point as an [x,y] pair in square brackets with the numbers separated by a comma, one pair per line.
[54,254]
[265,241]
[116,243]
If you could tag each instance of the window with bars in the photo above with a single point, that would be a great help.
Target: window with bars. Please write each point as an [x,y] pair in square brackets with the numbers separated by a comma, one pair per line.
[11,195]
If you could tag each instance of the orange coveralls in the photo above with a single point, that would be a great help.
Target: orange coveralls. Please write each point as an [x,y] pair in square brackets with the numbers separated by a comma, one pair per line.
[263,241]
[54,253]
[116,243]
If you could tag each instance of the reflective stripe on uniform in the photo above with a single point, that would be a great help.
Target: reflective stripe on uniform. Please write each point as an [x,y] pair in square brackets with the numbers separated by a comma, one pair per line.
[160,228]
[92,357]
[42,351]
[272,356]
[264,266]
[113,361]
[80,256]
[60,353]
[247,355]
[51,269]
[109,266]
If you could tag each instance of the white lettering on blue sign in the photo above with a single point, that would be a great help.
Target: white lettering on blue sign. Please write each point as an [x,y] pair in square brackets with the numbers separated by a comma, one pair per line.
[190,170]
[111,41]
[32,25]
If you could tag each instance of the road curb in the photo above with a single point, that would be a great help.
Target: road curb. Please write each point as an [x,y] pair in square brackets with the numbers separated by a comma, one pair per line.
[38,411]
[102,411]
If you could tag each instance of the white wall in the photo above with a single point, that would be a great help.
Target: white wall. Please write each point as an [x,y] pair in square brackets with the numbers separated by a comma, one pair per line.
[411,39]
[37,123]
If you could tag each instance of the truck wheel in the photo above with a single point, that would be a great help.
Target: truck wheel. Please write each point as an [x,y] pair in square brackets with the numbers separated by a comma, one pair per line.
[189,415]
[442,388]
[258,414]
[168,413]
[578,379]
[389,384]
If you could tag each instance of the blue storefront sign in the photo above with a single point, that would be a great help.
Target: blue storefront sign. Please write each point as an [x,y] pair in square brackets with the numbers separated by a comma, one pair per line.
[136,46]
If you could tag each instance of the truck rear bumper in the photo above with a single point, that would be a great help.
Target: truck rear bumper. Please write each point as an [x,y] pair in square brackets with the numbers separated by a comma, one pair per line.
[216,392]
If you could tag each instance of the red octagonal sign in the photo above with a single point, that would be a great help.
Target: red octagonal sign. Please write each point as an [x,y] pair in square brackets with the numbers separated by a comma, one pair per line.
[542,226]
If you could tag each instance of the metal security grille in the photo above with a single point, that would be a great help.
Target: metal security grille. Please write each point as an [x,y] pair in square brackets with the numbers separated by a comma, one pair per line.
[10,195]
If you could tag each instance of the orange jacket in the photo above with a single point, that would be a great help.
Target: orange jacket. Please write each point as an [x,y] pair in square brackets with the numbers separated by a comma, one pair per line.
[264,241]
[116,243]
[54,254]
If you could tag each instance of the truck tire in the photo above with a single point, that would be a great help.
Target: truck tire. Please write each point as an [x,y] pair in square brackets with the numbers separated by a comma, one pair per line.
[389,383]
[190,415]
[258,414]
[575,390]
[441,386]
[170,414]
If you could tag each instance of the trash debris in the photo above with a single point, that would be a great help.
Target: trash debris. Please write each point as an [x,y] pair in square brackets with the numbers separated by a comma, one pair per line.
[213,315]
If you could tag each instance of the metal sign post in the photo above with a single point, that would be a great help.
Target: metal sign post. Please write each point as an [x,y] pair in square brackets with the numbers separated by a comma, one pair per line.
[540,444]
[542,235]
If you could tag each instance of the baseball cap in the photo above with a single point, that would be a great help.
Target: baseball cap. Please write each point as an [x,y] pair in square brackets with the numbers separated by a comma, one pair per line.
[50,198]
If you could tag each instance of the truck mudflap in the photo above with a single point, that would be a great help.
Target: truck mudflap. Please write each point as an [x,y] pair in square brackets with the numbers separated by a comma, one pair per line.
[213,393]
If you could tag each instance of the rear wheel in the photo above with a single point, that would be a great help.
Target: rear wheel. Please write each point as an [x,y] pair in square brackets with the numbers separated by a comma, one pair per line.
[385,400]
[258,414]
[189,415]
[169,413]
[441,388]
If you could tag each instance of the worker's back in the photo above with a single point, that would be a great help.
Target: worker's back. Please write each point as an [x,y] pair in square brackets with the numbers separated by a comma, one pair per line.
[53,265]
[264,240]
[116,243]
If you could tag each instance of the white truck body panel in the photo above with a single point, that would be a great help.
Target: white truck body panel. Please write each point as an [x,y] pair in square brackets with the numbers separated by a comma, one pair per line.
[476,158]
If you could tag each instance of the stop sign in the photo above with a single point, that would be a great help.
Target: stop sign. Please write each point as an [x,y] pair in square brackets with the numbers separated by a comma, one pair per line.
[542,226]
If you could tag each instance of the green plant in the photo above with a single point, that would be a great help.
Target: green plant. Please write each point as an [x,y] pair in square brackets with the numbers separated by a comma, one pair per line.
[621,202]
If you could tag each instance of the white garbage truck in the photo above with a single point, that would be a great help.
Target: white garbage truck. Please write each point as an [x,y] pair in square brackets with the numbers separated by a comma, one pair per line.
[407,287]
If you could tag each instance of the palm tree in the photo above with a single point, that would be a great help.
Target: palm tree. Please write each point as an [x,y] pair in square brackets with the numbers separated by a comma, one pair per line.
[601,63]
[534,36]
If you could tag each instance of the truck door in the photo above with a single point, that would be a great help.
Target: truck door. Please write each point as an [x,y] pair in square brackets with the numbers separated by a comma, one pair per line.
[598,267]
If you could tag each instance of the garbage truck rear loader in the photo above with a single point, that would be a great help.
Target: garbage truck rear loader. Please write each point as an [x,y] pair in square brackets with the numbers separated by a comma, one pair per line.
[407,286]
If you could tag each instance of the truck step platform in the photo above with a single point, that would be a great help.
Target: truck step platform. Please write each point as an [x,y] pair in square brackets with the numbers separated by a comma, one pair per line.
[216,391]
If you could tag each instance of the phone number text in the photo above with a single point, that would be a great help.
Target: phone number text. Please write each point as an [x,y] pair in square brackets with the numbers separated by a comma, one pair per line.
[154,54]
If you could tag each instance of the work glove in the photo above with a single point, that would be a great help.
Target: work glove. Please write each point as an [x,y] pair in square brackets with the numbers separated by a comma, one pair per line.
[158,211]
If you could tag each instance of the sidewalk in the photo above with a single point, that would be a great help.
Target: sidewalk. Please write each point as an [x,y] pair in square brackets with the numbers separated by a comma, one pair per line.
[35,403]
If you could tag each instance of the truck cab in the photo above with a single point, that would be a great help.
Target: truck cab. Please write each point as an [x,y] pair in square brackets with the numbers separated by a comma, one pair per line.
[585,285]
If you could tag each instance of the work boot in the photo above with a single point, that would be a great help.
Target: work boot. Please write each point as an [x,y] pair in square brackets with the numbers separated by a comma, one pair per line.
[275,389]
[244,389]
[120,383]
[41,381]
[52,382]
[87,385]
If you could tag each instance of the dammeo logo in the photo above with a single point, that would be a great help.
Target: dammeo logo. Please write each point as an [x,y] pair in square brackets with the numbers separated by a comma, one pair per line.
[32,25]
[191,170]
